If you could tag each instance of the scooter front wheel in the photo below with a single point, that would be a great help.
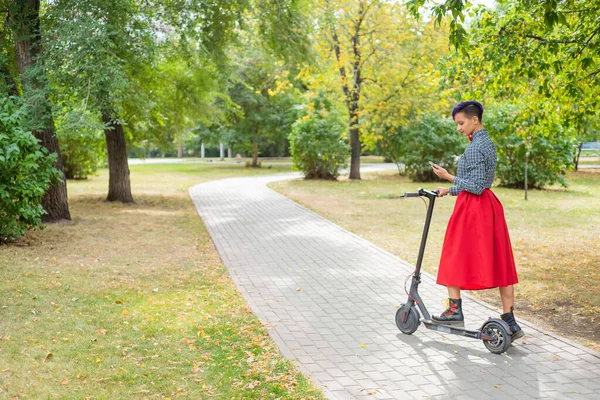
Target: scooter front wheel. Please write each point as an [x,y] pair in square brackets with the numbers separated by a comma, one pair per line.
[495,337]
[407,319]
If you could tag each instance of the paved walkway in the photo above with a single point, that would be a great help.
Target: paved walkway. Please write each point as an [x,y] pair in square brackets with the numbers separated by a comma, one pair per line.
[328,298]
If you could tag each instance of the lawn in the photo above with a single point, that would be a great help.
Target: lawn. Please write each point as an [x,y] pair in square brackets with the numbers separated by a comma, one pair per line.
[132,301]
[555,237]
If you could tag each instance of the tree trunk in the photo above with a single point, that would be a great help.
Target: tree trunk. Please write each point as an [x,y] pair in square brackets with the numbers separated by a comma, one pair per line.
[578,155]
[255,153]
[354,144]
[180,150]
[119,186]
[355,97]
[24,21]
[351,85]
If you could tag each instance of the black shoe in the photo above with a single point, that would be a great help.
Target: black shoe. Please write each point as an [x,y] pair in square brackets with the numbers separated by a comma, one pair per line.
[453,314]
[515,329]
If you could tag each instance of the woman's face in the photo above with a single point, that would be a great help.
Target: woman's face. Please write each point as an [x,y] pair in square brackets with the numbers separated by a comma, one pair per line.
[465,125]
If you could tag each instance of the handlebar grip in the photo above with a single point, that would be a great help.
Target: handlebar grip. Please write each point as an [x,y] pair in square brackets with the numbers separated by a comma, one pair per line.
[411,194]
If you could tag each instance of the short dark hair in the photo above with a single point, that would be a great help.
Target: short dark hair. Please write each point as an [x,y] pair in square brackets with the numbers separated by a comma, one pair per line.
[469,108]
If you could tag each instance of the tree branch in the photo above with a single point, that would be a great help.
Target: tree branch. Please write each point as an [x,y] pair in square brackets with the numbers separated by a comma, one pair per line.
[541,39]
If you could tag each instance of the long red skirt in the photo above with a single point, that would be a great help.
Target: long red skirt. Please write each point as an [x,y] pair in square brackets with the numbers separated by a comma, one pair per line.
[477,253]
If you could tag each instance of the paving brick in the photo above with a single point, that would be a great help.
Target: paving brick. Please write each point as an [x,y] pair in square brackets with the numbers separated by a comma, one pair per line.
[349,293]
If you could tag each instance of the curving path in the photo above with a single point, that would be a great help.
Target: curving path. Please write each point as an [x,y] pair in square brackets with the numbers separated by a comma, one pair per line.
[328,298]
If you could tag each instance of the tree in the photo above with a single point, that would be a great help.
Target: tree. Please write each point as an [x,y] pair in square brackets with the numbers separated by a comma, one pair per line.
[349,56]
[565,31]
[24,24]
[383,61]
[100,50]
[510,71]
[184,87]
[262,92]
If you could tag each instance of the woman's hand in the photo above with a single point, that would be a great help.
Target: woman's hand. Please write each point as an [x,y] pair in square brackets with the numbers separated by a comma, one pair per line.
[442,172]
[442,191]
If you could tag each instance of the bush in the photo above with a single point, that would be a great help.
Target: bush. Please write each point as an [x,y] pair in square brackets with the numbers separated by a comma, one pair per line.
[318,147]
[82,144]
[26,172]
[551,149]
[430,138]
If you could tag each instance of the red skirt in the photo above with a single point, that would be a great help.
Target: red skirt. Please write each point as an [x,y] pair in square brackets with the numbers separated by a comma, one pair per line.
[477,253]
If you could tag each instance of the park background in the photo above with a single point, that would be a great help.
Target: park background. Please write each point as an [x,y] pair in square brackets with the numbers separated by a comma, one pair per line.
[124,286]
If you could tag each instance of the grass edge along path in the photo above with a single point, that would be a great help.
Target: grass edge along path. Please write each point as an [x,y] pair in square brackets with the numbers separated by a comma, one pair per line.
[555,237]
[133,301]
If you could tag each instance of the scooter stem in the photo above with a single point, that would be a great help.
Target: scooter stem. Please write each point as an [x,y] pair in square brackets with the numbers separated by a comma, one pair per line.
[431,196]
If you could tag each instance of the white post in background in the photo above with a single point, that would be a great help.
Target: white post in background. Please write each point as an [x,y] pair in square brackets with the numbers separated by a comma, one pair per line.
[222,152]
[202,150]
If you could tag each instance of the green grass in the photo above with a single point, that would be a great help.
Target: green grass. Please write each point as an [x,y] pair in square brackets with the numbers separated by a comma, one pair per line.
[132,301]
[555,237]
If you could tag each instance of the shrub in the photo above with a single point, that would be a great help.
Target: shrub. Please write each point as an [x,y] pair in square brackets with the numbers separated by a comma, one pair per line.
[430,138]
[26,172]
[551,149]
[318,147]
[82,144]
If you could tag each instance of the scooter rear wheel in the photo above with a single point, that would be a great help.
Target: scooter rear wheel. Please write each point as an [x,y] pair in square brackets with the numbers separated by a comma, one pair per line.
[500,341]
[411,319]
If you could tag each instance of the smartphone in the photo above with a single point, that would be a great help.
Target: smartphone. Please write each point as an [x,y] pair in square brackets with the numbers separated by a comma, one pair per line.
[431,163]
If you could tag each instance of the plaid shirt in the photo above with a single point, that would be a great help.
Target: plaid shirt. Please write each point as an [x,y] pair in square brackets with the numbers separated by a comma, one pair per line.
[476,166]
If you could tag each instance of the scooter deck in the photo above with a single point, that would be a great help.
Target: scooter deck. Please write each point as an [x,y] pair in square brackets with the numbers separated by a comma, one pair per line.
[452,329]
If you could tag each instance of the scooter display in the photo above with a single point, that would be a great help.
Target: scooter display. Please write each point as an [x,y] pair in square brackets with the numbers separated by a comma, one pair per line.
[495,333]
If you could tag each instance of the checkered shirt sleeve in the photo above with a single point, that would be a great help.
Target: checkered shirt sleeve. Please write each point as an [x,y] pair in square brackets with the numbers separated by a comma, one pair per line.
[476,167]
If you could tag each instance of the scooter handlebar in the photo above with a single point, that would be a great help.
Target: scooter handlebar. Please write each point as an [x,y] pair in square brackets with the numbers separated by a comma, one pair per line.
[421,192]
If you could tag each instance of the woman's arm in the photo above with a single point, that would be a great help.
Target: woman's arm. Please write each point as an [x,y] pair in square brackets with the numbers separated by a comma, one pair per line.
[474,179]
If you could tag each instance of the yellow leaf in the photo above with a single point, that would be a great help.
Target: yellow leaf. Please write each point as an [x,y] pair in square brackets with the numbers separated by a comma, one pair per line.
[364,346]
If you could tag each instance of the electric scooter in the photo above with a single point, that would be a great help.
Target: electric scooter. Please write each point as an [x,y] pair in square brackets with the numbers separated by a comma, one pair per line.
[495,333]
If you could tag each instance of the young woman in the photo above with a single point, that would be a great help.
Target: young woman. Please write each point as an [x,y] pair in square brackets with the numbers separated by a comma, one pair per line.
[477,253]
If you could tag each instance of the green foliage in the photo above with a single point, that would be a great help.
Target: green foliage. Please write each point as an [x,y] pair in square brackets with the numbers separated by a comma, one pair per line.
[26,172]
[81,139]
[318,146]
[264,99]
[548,151]
[429,138]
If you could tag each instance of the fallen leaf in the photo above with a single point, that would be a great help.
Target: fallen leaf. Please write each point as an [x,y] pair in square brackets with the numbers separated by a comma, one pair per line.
[64,381]
[498,386]
[48,357]
[364,346]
